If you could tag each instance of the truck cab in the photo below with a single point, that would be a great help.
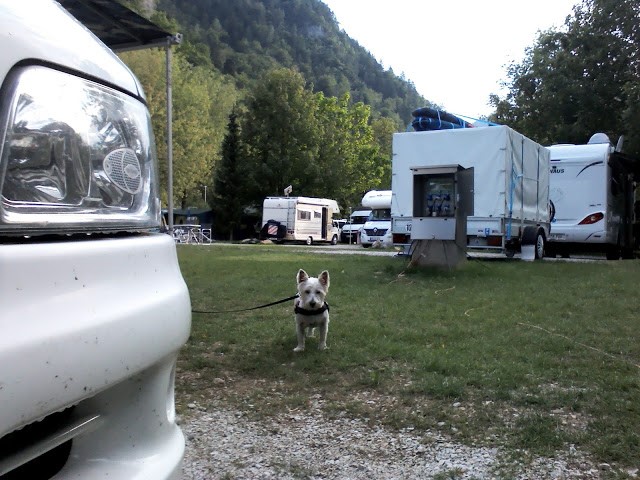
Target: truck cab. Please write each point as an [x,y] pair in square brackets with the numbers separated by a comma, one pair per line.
[94,306]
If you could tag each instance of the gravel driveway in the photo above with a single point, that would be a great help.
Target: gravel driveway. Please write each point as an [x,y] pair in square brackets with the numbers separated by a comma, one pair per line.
[226,444]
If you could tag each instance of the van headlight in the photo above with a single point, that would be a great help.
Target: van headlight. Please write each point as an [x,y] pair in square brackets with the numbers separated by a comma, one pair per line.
[75,156]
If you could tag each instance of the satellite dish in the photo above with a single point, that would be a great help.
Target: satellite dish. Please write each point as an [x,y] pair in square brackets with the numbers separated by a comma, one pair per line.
[288,190]
[620,144]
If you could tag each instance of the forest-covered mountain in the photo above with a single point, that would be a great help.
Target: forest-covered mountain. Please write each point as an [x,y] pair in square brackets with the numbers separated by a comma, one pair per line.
[247,38]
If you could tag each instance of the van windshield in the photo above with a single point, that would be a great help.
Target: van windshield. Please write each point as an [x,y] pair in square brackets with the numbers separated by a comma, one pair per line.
[360,220]
[381,214]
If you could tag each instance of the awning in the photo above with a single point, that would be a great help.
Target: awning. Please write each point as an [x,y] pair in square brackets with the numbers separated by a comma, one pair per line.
[117,26]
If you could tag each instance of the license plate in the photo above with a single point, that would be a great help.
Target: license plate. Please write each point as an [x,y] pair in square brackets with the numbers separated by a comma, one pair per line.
[557,236]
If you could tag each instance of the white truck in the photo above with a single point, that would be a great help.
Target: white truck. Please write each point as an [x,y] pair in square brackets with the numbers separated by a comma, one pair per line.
[305,219]
[350,232]
[510,184]
[94,307]
[377,229]
[592,190]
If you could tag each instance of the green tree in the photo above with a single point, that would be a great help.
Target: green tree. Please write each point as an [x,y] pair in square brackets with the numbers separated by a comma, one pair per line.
[232,182]
[278,131]
[579,80]
[383,130]
[349,151]
[202,100]
[321,146]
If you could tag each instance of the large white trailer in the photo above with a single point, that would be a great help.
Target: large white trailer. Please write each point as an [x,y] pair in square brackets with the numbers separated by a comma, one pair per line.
[304,219]
[592,190]
[510,184]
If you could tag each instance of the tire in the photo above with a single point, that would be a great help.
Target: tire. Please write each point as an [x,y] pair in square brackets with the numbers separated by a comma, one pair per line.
[534,236]
[334,240]
[539,245]
[309,241]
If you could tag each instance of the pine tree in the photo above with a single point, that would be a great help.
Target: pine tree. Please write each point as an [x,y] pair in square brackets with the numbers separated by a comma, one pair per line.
[231,182]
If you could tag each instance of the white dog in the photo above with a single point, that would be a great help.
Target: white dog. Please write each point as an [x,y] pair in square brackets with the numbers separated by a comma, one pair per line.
[311,308]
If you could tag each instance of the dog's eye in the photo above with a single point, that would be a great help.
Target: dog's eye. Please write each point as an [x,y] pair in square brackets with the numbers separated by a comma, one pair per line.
[307,292]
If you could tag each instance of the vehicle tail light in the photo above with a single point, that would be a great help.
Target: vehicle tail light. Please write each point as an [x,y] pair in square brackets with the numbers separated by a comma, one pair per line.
[76,156]
[593,218]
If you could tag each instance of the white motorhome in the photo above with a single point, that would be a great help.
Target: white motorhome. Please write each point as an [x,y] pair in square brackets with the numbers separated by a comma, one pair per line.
[94,307]
[377,229]
[510,184]
[350,232]
[592,190]
[303,219]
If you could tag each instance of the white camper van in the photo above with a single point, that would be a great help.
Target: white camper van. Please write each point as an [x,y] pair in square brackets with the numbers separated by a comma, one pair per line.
[592,190]
[303,219]
[510,184]
[94,307]
[378,227]
[350,232]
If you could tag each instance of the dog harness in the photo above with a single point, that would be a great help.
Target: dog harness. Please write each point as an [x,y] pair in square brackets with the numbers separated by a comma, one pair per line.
[317,311]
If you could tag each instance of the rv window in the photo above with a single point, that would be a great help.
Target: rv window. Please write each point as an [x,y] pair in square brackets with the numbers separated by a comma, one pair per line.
[304,215]
[317,215]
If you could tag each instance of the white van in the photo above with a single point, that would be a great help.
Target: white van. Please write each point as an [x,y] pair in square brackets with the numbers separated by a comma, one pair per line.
[377,228]
[94,307]
[350,232]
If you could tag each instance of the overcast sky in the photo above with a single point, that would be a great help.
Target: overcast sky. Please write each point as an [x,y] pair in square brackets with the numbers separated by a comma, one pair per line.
[455,52]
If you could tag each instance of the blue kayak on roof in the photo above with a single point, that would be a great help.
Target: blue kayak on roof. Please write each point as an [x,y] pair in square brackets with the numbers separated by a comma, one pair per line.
[427,118]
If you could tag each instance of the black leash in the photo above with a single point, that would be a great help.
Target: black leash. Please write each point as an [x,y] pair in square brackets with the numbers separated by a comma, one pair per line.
[248,309]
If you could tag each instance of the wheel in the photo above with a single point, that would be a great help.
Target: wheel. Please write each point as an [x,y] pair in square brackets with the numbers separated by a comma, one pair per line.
[334,240]
[366,245]
[509,252]
[539,245]
[309,240]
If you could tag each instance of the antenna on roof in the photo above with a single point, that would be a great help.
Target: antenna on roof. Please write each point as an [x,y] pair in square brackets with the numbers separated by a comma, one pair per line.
[288,190]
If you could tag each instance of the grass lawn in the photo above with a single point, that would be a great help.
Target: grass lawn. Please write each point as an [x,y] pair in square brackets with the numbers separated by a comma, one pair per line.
[531,356]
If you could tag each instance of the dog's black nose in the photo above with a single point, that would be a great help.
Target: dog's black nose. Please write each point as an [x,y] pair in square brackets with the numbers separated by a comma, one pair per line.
[312,303]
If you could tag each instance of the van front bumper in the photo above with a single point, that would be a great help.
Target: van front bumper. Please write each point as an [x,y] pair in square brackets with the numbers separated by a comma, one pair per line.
[93,328]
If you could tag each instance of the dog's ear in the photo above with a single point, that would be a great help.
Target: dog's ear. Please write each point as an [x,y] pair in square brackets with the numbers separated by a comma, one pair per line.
[324,278]
[302,276]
